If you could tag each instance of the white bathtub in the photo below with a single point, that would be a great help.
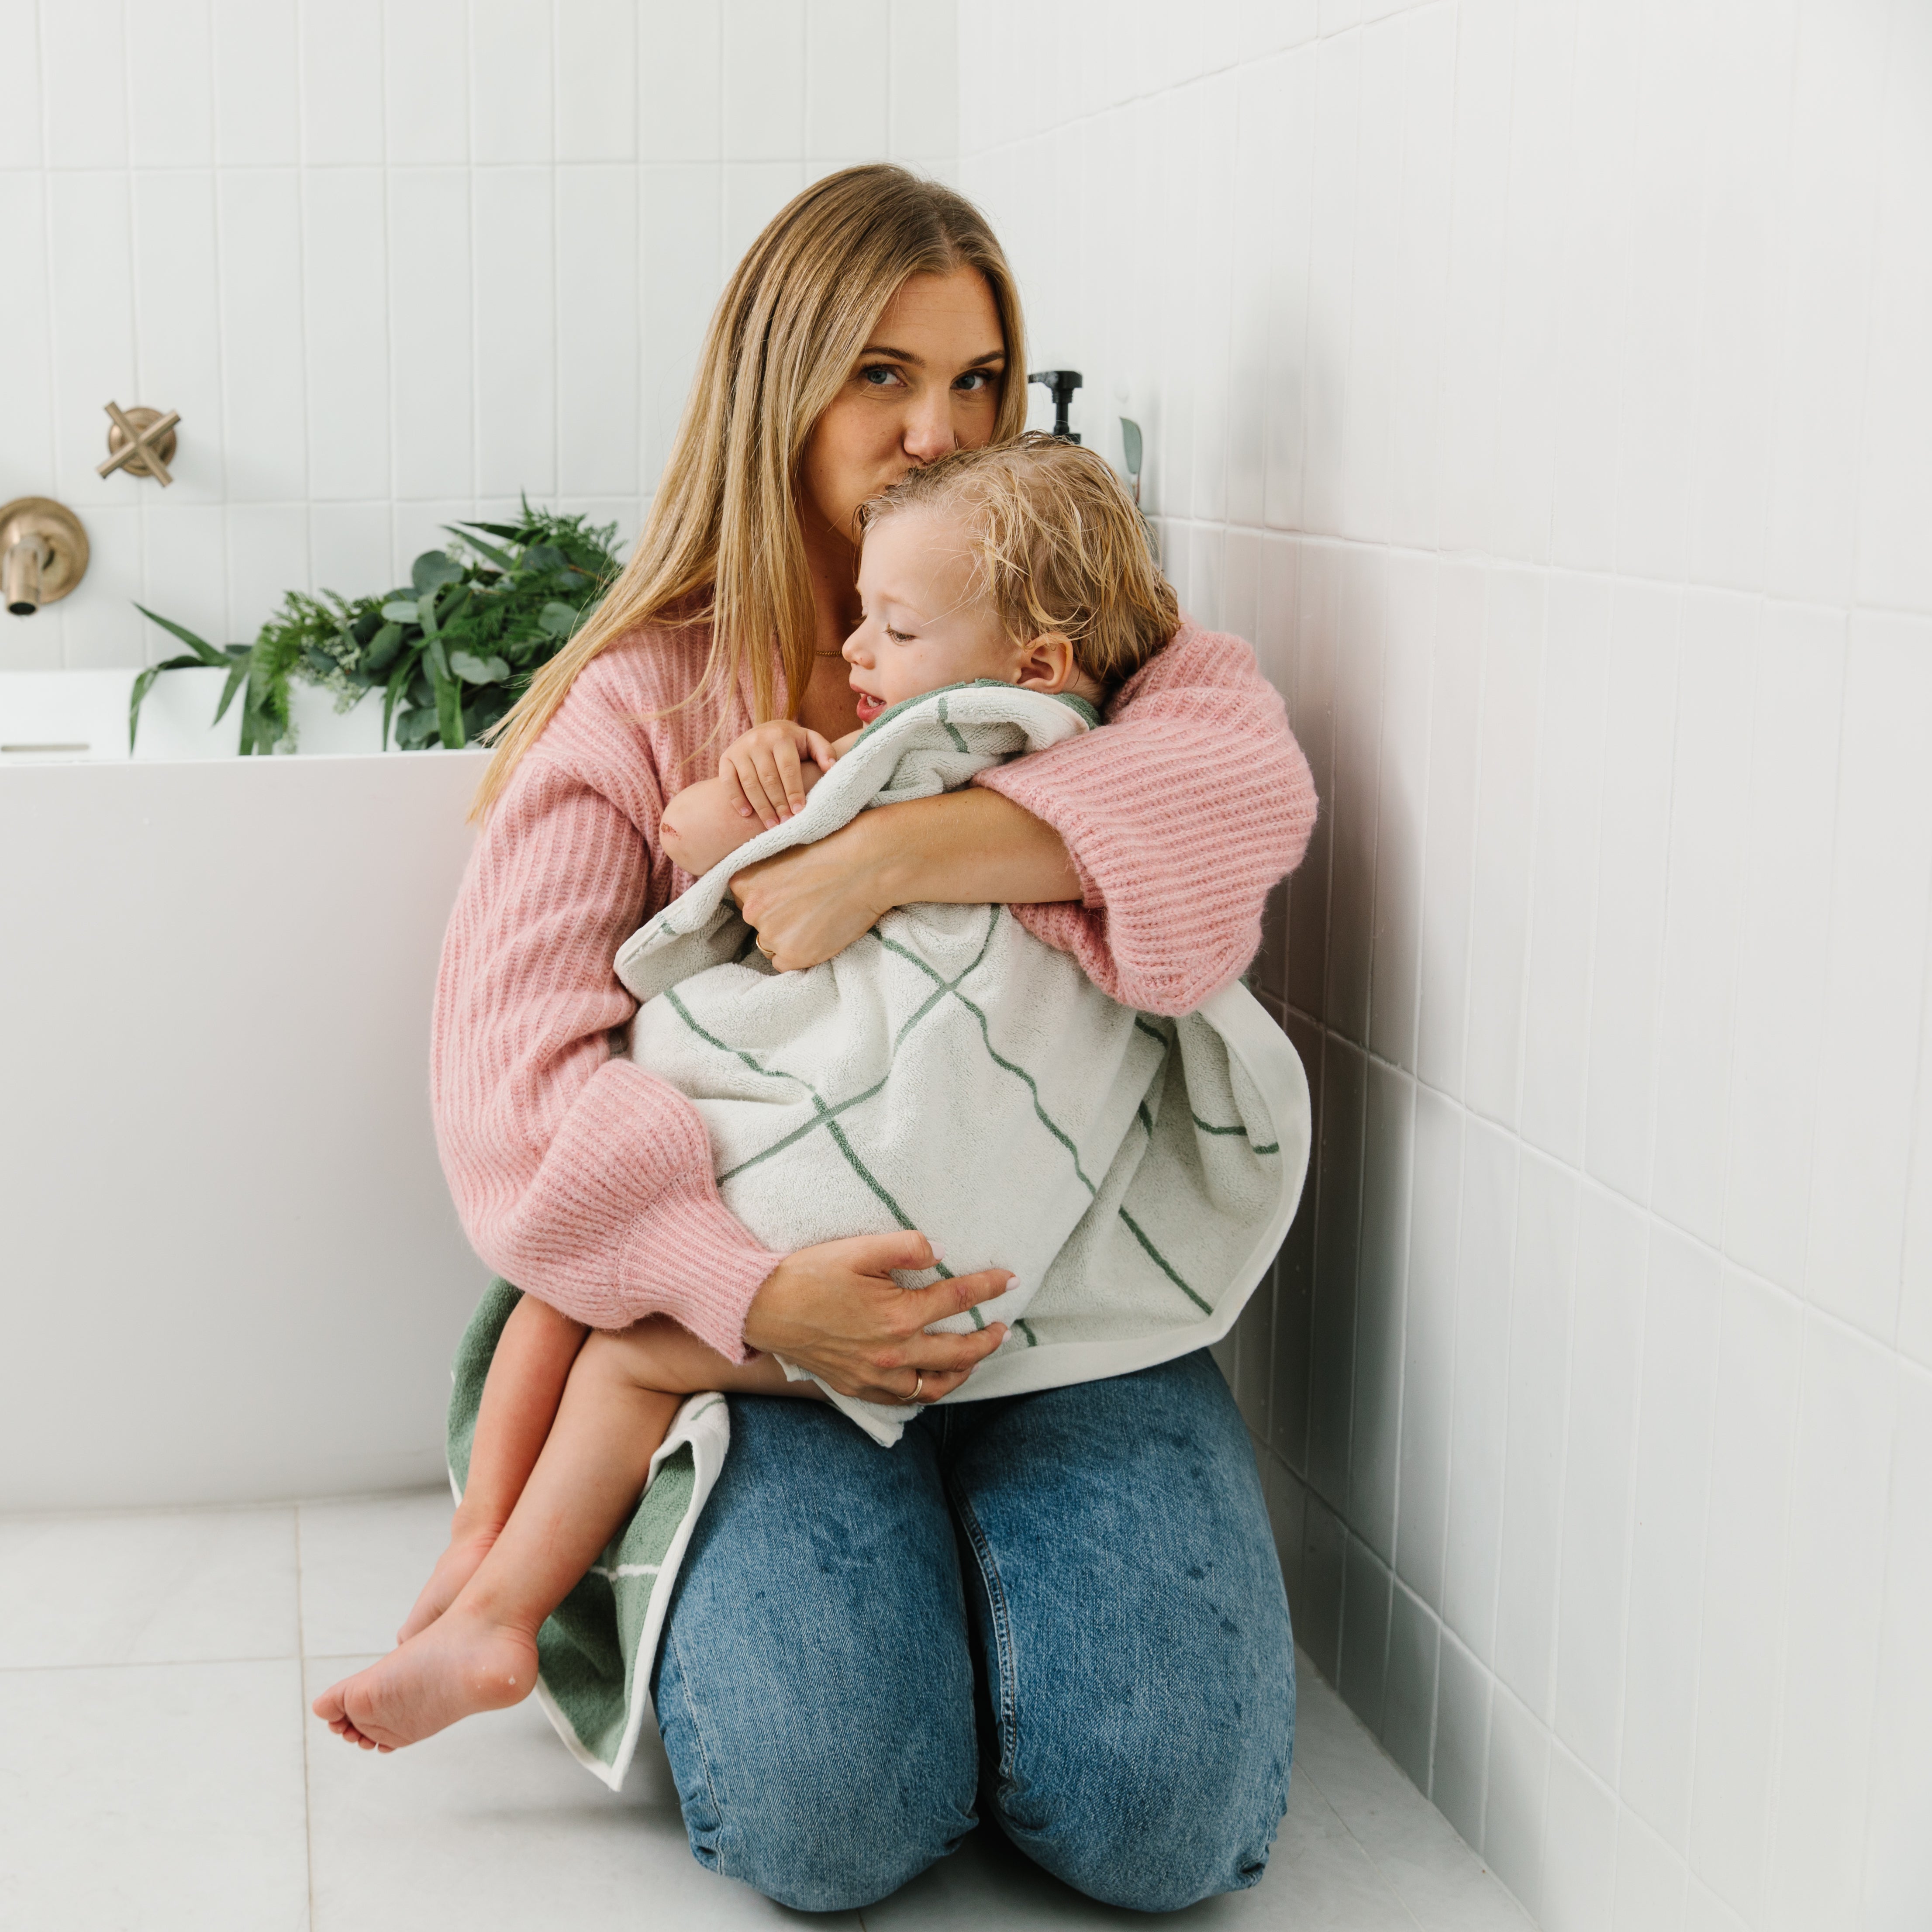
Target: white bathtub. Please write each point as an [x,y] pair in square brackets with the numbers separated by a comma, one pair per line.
[229,1267]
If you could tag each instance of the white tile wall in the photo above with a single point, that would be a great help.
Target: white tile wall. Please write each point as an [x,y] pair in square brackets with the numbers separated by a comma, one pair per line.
[1542,385]
[394,261]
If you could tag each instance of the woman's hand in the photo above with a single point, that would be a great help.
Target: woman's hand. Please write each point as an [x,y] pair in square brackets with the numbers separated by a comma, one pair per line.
[968,848]
[835,1310]
[811,902]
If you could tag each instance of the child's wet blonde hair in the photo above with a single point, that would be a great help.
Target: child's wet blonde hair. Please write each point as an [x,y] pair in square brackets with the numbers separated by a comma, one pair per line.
[1058,545]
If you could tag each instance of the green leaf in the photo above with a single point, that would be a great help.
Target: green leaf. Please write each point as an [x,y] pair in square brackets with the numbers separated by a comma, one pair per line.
[205,653]
[433,568]
[558,620]
[449,711]
[320,662]
[236,678]
[473,669]
[415,729]
[398,683]
[503,560]
[383,647]
[401,610]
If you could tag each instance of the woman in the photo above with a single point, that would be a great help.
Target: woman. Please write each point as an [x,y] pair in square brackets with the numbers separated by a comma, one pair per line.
[1090,1567]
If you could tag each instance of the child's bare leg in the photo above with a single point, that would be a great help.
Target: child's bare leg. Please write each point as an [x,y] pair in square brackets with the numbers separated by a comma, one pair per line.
[481,1654]
[521,1396]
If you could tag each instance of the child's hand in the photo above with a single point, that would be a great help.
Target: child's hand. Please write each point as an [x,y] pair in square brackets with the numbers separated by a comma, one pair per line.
[763,776]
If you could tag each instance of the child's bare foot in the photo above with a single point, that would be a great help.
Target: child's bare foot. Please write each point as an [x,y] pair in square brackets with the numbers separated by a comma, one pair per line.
[459,1666]
[454,1568]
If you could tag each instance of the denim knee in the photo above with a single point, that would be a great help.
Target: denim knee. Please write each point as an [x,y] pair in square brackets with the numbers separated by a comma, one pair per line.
[815,1820]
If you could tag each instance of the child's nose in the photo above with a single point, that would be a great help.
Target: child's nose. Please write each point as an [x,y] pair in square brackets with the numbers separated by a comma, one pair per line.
[852,650]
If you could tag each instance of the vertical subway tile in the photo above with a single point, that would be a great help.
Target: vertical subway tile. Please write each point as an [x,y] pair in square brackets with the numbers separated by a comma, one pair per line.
[1898,1858]
[1571,796]
[1214,245]
[847,76]
[1253,1382]
[92,326]
[21,91]
[1361,617]
[1830,216]
[755,191]
[764,80]
[1312,713]
[516,339]
[1532,1497]
[597,321]
[1599,1469]
[1365,1621]
[1458,1768]
[426,82]
[1739,300]
[1594,294]
[680,96]
[1403,769]
[1752,1440]
[1579,1849]
[267,557]
[346,333]
[257,109]
[26,344]
[679,274]
[100,629]
[1206,547]
[1258,132]
[510,88]
[184,571]
[83,60]
[1782,947]
[1505,820]
[1518,1781]
[260,211]
[1835,1588]
[1318,1615]
[1875,974]
[1650,1880]
[1709,835]
[431,351]
[1667,1543]
[1376,1421]
[1485,1255]
[1894,506]
[177,307]
[1639,720]
[1286,240]
[1337,107]
[171,95]
[1294,1280]
[1409,1695]
[349,549]
[1428,1344]
[1337,1238]
[928,95]
[340,60]
[1448,858]
[596,81]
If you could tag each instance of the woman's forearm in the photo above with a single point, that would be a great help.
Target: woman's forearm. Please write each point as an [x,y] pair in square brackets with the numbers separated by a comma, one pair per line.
[969,848]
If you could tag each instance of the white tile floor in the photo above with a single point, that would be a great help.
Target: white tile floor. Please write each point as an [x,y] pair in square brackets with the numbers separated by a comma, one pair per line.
[157,1769]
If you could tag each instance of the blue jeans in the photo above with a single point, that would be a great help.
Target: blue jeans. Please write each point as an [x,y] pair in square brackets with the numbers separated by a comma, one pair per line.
[1067,1603]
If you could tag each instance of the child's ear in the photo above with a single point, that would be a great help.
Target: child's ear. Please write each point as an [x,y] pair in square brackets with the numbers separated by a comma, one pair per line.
[1046,664]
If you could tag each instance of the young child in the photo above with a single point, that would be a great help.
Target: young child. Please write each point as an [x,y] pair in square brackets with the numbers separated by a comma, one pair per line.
[1024,563]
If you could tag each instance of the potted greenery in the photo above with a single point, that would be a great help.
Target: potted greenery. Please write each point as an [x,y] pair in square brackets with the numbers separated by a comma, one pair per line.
[451,652]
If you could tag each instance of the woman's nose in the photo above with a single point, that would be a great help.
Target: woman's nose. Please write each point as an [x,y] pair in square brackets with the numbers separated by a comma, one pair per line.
[929,433]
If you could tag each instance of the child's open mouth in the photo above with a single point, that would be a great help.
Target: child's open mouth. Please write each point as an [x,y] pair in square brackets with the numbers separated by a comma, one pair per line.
[869,707]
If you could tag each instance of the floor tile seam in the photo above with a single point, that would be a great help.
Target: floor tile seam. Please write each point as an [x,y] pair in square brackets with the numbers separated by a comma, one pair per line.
[149,1664]
[302,1725]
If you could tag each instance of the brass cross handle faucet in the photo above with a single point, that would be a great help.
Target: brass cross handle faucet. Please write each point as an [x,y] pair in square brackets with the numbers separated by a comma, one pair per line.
[140,441]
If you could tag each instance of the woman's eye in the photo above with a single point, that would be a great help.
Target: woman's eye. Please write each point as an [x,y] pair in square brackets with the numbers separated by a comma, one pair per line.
[975,380]
[878,374]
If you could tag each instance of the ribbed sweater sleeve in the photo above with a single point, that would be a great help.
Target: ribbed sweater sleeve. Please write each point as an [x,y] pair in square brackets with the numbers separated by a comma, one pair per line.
[1179,818]
[581,1177]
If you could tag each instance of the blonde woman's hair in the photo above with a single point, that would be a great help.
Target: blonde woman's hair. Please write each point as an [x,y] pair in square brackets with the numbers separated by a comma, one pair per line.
[1057,544]
[722,544]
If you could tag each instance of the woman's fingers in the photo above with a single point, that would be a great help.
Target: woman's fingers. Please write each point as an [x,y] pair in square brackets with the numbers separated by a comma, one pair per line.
[925,1305]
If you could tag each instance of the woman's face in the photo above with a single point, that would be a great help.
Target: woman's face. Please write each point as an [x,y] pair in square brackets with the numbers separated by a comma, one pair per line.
[926,383]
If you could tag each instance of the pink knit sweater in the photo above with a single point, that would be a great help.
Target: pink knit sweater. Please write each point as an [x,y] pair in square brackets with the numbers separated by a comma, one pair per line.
[586,1180]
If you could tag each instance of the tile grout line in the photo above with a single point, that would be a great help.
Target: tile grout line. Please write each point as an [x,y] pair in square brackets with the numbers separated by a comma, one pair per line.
[301,1680]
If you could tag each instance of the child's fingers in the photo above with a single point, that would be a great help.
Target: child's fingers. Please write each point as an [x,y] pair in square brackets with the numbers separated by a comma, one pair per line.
[820,747]
[772,778]
[791,775]
[734,788]
[752,781]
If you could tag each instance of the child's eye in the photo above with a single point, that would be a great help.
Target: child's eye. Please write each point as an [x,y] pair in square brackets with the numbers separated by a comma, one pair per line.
[898,637]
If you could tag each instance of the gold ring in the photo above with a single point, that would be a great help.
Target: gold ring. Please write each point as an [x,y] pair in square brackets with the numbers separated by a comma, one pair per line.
[918,1385]
[763,948]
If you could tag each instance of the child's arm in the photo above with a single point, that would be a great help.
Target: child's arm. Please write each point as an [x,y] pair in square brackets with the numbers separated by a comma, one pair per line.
[762,779]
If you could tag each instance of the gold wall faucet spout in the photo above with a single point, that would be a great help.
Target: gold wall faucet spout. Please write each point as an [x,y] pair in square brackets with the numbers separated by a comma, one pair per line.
[43,553]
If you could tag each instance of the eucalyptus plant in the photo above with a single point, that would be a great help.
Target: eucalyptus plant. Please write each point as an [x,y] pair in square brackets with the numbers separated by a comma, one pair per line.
[450,651]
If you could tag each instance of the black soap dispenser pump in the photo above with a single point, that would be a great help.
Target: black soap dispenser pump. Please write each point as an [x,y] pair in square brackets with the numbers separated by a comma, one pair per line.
[1060,384]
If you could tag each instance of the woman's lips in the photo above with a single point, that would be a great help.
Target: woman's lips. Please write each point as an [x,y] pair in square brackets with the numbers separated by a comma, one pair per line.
[869,707]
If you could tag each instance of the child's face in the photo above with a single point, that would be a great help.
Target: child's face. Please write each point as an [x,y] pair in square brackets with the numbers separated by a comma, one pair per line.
[925,624]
